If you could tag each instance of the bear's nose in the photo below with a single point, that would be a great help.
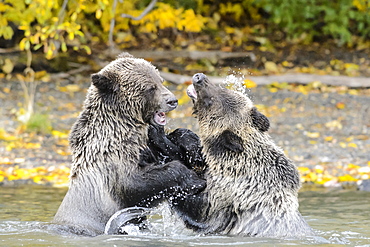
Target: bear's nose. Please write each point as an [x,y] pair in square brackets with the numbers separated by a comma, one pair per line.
[198,78]
[172,102]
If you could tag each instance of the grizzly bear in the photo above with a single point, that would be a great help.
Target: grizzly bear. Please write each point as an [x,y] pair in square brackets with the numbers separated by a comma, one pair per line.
[112,166]
[252,186]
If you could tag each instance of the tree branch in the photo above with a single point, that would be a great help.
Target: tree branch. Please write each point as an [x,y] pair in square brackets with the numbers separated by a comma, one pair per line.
[112,23]
[62,11]
[144,13]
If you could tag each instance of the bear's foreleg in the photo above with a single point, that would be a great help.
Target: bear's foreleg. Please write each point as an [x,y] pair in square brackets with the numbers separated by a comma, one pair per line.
[192,210]
[162,148]
[181,144]
[157,182]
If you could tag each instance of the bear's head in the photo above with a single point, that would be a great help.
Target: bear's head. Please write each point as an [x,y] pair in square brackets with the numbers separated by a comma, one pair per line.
[224,112]
[133,88]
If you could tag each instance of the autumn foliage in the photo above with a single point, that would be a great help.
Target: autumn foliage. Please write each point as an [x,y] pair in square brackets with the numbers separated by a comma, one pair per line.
[55,26]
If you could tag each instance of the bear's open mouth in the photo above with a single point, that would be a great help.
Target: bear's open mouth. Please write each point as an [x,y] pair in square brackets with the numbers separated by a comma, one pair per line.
[191,92]
[160,118]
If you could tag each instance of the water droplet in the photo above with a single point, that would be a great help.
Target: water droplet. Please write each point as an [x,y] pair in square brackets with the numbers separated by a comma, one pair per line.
[236,83]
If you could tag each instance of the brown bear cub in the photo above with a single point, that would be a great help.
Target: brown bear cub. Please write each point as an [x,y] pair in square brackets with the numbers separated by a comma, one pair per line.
[112,165]
[251,185]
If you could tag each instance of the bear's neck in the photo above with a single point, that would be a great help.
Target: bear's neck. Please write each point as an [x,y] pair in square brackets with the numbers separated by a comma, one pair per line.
[259,149]
[106,136]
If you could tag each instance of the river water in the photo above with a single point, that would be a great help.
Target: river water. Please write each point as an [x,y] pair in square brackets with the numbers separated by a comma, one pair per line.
[339,217]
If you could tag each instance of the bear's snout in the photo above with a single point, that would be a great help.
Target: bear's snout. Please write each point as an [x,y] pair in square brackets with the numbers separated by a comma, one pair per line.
[198,78]
[171,102]
[168,100]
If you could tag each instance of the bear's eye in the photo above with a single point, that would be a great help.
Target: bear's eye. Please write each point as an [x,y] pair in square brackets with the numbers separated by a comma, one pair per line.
[151,88]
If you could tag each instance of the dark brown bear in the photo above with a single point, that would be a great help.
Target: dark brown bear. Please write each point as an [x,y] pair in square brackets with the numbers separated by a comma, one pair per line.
[252,186]
[112,166]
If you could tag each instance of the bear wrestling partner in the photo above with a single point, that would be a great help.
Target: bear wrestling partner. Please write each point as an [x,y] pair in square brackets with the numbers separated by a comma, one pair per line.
[252,186]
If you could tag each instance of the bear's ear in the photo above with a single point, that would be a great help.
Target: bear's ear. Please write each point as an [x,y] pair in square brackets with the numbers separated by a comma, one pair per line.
[229,141]
[259,120]
[124,54]
[103,83]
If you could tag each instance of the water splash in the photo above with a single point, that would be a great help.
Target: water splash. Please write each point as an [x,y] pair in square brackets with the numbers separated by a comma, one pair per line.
[165,222]
[235,82]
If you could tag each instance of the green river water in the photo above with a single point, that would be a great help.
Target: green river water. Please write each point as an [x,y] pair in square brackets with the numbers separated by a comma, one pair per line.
[339,217]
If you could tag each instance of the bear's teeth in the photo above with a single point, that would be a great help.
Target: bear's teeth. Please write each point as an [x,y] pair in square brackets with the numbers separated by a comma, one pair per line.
[191,92]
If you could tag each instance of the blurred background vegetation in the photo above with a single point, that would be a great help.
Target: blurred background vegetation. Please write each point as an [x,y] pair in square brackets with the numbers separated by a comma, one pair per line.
[54,26]
[58,30]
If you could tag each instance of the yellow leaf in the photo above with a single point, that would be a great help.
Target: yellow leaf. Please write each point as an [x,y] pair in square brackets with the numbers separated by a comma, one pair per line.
[287,64]
[22,44]
[87,49]
[340,105]
[70,88]
[22,173]
[351,66]
[37,179]
[312,176]
[353,91]
[313,134]
[249,83]
[349,139]
[62,152]
[353,166]
[13,177]
[303,169]
[32,145]
[328,138]
[48,178]
[334,124]
[5,161]
[263,48]
[271,67]
[98,14]
[316,84]
[302,89]
[74,16]
[71,36]
[8,66]
[59,134]
[319,170]
[352,145]
[10,146]
[342,145]
[64,47]
[6,137]
[49,54]
[347,178]
[23,27]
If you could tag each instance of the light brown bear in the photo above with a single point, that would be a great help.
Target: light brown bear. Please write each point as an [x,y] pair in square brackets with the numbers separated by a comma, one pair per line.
[252,186]
[112,166]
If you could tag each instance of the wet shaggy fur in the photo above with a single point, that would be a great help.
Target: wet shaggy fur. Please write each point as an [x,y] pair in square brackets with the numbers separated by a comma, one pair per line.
[181,144]
[251,185]
[112,166]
